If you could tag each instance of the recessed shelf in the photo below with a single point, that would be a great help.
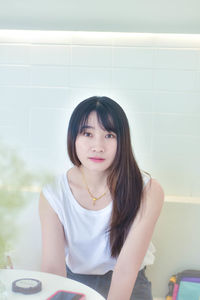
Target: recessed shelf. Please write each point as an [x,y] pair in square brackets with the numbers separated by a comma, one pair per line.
[182,199]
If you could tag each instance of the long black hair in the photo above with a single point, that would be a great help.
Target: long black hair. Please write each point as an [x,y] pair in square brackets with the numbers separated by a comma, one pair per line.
[124,177]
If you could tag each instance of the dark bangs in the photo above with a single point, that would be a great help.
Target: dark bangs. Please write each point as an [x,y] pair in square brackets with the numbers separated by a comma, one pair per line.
[105,119]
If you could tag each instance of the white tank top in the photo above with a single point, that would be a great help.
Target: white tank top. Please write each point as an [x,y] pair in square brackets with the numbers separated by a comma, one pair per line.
[87,243]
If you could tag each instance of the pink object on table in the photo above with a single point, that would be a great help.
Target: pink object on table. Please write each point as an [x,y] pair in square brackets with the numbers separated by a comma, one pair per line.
[175,291]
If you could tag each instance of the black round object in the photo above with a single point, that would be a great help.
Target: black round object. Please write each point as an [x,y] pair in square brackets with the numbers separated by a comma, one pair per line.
[26,286]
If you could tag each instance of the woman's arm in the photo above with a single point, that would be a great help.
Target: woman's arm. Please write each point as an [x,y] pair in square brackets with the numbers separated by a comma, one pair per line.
[137,243]
[53,240]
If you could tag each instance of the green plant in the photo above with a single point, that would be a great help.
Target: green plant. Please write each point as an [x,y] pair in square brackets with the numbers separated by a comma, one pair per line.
[15,180]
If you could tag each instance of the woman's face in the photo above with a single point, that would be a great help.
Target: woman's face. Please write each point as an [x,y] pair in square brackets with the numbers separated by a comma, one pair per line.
[95,147]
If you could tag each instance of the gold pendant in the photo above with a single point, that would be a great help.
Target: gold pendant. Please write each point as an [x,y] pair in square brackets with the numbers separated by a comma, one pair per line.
[94,199]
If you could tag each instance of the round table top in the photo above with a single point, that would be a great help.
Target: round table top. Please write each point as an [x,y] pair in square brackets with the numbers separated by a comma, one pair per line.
[50,284]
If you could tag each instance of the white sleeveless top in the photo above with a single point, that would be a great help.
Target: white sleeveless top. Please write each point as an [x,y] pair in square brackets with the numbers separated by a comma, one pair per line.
[87,243]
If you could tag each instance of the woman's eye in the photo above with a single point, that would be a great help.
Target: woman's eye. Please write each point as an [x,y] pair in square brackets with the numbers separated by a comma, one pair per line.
[86,133]
[110,135]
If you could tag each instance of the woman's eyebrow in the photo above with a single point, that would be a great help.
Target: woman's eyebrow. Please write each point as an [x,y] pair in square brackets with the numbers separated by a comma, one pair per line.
[86,127]
[91,127]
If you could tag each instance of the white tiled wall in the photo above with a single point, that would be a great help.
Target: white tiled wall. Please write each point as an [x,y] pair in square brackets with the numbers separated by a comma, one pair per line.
[155,78]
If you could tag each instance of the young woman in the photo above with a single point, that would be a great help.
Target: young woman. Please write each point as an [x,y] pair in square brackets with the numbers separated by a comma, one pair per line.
[98,218]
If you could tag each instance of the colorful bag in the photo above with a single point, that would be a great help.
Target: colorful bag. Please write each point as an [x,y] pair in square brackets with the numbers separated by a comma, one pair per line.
[184,286]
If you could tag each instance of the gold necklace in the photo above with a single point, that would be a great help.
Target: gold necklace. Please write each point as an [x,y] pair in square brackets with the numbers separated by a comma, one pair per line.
[94,199]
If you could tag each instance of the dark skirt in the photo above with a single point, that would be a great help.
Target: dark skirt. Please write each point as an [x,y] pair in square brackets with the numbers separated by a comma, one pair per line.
[101,283]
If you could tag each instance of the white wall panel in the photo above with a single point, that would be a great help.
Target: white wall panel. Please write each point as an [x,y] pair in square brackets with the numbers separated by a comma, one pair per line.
[90,77]
[175,80]
[132,78]
[50,55]
[14,54]
[14,75]
[49,76]
[91,56]
[133,57]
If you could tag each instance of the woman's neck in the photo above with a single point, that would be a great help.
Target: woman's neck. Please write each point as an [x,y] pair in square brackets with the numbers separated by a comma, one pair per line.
[96,180]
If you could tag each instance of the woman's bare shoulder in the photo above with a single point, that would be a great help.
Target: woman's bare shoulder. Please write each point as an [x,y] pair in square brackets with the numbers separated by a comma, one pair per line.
[154,189]
[73,175]
[153,196]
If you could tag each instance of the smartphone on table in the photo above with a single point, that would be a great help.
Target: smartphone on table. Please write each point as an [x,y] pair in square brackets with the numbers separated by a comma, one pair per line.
[66,295]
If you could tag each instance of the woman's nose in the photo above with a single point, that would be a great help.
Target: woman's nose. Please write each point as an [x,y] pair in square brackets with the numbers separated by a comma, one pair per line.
[97,149]
[97,145]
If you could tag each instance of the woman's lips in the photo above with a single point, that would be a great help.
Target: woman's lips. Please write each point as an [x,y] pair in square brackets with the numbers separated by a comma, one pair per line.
[97,159]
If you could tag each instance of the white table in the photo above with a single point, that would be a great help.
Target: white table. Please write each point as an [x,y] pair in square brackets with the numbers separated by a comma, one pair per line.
[50,284]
